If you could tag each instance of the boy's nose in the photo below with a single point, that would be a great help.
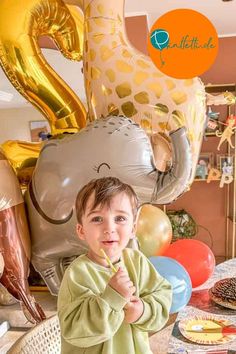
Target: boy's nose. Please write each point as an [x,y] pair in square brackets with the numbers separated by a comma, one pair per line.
[108,232]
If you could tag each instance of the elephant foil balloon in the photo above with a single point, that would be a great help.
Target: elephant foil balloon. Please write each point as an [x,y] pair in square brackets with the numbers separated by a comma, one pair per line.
[15,242]
[115,146]
[121,80]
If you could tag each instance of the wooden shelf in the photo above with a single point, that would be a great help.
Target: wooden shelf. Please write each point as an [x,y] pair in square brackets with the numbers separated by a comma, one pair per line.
[220,88]
[205,179]
[213,134]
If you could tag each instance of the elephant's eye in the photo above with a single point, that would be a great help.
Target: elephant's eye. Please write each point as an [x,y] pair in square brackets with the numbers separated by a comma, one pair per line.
[97,169]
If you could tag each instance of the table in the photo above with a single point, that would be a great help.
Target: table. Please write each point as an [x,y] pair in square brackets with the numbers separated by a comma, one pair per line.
[201,305]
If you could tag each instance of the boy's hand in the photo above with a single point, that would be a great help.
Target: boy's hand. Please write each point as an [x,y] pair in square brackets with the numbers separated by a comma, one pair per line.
[133,309]
[122,284]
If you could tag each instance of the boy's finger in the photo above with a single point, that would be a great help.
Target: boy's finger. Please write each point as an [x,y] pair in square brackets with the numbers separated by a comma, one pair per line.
[134,298]
[132,290]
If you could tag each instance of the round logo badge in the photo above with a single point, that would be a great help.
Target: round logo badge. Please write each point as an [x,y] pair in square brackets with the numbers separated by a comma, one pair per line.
[183,43]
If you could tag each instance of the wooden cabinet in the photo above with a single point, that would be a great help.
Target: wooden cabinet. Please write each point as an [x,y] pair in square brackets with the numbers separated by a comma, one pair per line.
[230,189]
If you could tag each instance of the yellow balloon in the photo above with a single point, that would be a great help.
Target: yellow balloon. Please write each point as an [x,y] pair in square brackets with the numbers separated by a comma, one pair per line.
[121,80]
[20,56]
[154,231]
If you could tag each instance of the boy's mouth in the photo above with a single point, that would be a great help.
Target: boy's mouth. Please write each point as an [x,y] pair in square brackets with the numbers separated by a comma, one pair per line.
[109,243]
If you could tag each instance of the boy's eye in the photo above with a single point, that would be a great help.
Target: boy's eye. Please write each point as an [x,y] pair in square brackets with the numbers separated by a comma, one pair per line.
[120,218]
[97,219]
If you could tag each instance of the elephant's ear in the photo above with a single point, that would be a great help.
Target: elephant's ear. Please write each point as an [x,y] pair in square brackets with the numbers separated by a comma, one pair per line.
[49,186]
[162,152]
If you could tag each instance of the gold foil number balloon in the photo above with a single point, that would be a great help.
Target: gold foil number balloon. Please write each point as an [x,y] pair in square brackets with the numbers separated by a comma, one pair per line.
[121,80]
[154,231]
[21,23]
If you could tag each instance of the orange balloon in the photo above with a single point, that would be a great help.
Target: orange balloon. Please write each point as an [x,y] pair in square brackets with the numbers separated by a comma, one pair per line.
[154,231]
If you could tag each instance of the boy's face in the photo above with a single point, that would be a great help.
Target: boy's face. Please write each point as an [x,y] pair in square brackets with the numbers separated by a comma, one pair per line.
[109,227]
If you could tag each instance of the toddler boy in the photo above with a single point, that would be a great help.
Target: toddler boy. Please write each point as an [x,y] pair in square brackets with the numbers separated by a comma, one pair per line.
[105,312]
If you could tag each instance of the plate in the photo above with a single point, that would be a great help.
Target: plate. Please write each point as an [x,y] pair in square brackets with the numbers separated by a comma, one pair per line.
[191,329]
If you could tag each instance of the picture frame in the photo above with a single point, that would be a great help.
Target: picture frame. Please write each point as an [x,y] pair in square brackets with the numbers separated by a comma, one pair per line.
[225,163]
[205,163]
[39,130]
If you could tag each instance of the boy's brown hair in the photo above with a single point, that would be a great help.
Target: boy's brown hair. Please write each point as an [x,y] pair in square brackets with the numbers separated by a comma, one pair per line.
[104,190]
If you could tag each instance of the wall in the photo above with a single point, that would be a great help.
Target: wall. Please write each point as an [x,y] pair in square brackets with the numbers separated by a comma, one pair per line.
[207,202]
[137,32]
[14,123]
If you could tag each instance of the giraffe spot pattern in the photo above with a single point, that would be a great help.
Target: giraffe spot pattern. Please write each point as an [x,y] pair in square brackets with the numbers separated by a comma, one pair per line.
[188,82]
[157,74]
[147,114]
[161,109]
[86,46]
[123,67]
[101,9]
[179,118]
[98,37]
[113,109]
[122,38]
[156,88]
[106,90]
[146,124]
[126,54]
[123,90]
[92,54]
[164,126]
[143,64]
[142,97]
[170,84]
[111,75]
[95,73]
[100,22]
[129,109]
[140,77]
[106,52]
[179,97]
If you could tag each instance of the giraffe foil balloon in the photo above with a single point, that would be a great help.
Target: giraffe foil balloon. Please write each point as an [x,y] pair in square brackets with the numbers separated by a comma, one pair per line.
[15,245]
[121,80]
[25,66]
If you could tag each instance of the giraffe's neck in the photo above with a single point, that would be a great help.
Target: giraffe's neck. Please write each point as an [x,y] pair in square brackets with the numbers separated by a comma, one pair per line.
[104,9]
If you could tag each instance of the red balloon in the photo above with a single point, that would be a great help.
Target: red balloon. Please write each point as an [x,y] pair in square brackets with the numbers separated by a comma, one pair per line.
[196,257]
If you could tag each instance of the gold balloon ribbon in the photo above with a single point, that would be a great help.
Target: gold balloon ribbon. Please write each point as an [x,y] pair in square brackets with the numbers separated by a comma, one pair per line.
[21,58]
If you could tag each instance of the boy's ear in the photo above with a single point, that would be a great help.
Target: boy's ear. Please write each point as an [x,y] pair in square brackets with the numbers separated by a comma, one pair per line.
[133,235]
[80,231]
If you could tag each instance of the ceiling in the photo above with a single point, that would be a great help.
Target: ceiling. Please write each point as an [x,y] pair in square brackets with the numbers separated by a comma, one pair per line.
[221,14]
